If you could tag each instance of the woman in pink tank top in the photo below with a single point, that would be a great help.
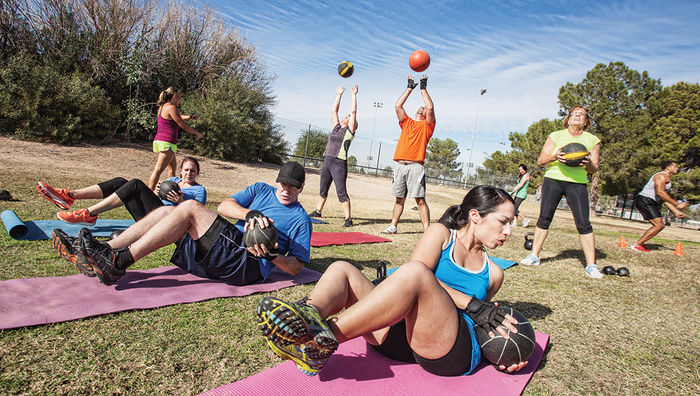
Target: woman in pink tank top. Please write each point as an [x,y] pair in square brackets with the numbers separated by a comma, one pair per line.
[165,143]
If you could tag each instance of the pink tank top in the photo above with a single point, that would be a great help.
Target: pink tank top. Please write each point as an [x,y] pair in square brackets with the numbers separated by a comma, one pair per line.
[167,130]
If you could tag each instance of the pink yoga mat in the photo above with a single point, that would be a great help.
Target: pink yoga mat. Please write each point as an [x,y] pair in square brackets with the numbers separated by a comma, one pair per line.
[356,369]
[343,238]
[36,301]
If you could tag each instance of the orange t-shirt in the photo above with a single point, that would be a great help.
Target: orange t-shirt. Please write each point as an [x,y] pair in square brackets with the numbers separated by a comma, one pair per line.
[413,140]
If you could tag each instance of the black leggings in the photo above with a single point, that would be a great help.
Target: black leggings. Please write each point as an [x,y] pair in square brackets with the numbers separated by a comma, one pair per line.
[577,198]
[138,199]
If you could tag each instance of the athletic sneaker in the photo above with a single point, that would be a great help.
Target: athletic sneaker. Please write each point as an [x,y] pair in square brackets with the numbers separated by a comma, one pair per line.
[296,354]
[639,248]
[69,249]
[296,331]
[390,230]
[315,213]
[348,223]
[526,222]
[103,258]
[531,259]
[60,198]
[80,216]
[592,271]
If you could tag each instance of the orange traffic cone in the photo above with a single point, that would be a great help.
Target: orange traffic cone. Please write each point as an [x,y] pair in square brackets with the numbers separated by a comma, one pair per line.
[622,243]
[679,250]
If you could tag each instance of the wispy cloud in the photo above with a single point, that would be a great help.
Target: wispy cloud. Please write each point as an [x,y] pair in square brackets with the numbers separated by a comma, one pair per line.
[521,51]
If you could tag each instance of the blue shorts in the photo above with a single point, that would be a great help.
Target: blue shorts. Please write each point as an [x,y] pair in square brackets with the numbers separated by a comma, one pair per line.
[219,254]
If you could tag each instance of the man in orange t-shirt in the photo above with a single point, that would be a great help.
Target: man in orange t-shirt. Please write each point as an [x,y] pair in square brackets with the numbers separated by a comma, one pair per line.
[409,173]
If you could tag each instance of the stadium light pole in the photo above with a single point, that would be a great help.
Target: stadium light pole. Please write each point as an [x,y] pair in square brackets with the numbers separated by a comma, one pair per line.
[471,148]
[377,106]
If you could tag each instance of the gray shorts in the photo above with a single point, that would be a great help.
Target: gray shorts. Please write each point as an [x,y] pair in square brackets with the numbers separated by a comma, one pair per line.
[408,179]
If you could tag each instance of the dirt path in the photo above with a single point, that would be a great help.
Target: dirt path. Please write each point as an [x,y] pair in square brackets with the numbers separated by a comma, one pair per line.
[371,200]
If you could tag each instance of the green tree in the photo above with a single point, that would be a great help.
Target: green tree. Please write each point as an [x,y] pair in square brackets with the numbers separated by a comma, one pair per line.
[526,149]
[617,98]
[675,137]
[441,158]
[311,144]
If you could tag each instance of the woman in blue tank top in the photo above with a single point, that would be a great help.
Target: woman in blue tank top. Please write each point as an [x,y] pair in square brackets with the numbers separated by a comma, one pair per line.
[424,313]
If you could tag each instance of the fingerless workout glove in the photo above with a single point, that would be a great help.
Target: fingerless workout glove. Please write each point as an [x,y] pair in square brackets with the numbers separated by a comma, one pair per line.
[253,214]
[424,83]
[486,314]
[411,84]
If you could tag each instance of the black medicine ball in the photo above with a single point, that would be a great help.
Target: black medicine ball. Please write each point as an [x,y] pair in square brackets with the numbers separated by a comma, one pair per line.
[261,236]
[166,187]
[507,352]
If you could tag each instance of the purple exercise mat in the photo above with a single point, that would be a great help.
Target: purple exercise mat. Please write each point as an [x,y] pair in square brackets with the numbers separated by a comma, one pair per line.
[356,369]
[36,301]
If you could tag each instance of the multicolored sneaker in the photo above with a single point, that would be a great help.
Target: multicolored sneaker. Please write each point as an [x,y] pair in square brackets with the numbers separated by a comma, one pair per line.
[298,332]
[60,198]
[102,257]
[296,354]
[69,249]
[80,216]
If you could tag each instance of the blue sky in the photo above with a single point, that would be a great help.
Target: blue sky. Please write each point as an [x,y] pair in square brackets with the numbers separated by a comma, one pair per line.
[520,51]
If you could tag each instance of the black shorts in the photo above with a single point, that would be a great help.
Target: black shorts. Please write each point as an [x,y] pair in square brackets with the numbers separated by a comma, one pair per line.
[218,254]
[456,362]
[649,208]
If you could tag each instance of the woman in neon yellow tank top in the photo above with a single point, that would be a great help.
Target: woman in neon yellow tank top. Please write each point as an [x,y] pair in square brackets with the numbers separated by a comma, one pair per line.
[569,181]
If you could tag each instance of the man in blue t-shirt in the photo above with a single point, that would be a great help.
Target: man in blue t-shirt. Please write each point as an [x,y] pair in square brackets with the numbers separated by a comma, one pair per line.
[207,244]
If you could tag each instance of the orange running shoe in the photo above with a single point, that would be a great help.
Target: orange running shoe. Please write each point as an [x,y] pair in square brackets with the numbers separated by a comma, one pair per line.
[69,249]
[81,216]
[60,198]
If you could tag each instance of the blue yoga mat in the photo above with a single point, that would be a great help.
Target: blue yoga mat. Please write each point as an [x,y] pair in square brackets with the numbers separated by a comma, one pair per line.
[42,229]
[503,263]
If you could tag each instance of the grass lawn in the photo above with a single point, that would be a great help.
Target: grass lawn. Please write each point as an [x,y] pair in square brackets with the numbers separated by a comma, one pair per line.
[632,335]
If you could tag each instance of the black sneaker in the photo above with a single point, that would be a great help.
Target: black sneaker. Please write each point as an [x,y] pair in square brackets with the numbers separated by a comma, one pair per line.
[348,223]
[69,249]
[102,257]
[315,213]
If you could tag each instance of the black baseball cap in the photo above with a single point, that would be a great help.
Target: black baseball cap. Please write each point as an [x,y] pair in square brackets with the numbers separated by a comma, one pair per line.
[292,173]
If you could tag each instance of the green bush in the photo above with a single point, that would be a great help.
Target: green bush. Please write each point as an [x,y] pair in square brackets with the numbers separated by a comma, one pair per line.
[235,122]
[40,104]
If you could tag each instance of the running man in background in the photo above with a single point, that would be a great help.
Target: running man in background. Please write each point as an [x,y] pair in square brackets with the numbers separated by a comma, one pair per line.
[409,173]
[520,194]
[648,202]
[335,159]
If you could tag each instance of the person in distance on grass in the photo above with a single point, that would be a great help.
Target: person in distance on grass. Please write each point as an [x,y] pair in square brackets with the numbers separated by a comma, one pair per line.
[165,142]
[424,312]
[648,202]
[335,159]
[409,173]
[520,193]
[207,244]
[138,199]
[569,181]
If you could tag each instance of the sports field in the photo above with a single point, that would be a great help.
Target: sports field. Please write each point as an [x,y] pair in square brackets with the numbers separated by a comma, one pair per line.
[635,335]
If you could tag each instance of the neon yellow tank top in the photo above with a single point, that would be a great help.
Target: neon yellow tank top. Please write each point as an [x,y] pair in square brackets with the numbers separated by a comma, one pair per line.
[574,174]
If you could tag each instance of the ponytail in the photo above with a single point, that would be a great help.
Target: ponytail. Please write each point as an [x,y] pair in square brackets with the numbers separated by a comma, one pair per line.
[168,94]
[453,218]
[484,199]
